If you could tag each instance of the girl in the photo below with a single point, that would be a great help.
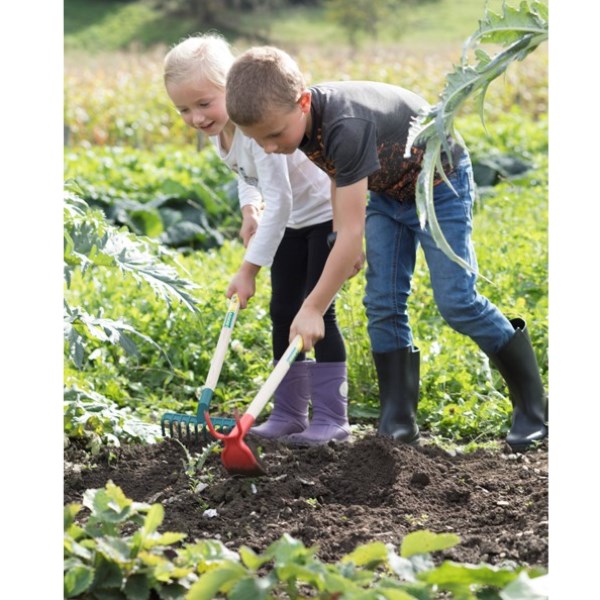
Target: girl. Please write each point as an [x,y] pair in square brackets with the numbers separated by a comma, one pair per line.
[290,236]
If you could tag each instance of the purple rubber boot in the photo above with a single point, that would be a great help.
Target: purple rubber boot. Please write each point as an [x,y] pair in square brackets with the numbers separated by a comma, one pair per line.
[329,392]
[290,410]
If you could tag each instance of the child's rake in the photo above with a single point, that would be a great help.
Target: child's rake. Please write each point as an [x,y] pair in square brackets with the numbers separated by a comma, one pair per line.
[188,427]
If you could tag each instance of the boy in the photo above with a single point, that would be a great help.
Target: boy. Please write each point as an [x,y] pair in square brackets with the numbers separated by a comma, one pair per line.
[356,132]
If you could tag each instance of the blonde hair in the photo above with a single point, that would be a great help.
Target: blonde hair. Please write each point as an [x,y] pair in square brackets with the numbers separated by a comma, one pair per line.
[203,55]
[260,80]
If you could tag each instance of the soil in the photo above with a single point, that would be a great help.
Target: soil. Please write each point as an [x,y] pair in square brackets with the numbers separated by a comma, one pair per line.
[338,497]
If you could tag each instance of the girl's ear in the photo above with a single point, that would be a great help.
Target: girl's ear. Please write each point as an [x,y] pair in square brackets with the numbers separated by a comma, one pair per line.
[304,101]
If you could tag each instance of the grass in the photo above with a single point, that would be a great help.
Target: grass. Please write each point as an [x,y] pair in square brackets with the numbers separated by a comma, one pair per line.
[111,25]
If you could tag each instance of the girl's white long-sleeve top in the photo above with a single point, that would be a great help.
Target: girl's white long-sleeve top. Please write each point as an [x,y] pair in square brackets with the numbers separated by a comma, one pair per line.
[295,192]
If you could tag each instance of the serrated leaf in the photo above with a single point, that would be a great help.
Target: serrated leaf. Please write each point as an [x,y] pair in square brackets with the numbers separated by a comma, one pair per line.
[137,587]
[425,542]
[114,548]
[77,580]
[510,25]
[107,575]
[522,30]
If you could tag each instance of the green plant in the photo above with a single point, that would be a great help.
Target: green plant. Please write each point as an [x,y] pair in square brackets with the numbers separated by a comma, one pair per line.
[520,31]
[91,243]
[118,552]
[103,562]
[180,197]
[98,421]
[194,464]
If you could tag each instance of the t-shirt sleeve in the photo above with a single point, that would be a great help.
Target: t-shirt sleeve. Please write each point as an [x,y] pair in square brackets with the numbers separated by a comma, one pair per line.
[352,145]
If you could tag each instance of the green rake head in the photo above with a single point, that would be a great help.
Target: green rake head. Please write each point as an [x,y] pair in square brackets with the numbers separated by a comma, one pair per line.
[190,429]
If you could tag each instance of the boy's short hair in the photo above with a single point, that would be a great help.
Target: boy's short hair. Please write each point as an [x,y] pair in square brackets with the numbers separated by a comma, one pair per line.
[260,80]
[203,55]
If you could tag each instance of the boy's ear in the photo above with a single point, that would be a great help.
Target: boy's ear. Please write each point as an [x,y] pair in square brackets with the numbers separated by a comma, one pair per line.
[304,101]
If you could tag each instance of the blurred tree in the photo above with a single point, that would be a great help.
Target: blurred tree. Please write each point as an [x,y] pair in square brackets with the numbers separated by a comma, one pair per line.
[364,16]
[359,16]
[224,14]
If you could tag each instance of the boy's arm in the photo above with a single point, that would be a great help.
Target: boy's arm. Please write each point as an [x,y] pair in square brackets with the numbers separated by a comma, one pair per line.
[349,210]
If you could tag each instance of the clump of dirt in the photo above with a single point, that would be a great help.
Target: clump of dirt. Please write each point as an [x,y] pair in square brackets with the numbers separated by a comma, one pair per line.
[340,496]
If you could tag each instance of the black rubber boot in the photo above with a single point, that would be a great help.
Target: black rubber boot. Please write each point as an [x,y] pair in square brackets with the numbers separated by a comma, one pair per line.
[518,365]
[398,376]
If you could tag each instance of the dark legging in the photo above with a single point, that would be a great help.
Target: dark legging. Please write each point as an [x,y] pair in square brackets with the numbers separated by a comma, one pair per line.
[296,268]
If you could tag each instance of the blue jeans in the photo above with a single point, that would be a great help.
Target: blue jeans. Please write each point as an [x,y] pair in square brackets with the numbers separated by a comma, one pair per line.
[392,236]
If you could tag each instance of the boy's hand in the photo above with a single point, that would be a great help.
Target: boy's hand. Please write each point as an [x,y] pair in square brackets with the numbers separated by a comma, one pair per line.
[243,283]
[309,324]
[358,265]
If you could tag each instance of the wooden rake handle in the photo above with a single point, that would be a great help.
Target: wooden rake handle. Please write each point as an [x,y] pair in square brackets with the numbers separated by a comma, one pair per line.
[222,344]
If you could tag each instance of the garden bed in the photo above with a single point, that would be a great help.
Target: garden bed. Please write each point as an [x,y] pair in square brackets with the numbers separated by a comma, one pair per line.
[339,496]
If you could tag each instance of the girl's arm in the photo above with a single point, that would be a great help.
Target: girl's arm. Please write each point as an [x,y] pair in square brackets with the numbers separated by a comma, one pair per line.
[276,191]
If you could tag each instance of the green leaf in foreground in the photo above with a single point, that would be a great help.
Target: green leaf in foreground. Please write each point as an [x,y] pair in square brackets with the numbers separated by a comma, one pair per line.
[78,580]
[220,579]
[425,542]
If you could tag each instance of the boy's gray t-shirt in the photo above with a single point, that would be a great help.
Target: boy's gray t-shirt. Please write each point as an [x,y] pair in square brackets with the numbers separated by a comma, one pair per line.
[359,129]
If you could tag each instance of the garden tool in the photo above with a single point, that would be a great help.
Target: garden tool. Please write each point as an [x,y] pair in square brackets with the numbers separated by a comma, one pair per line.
[198,421]
[237,457]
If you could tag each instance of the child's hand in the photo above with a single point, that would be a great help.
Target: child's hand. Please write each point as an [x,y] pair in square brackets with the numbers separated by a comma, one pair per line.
[309,324]
[358,265]
[251,218]
[243,283]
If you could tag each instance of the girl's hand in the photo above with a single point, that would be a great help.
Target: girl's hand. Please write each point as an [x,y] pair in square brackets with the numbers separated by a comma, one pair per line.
[243,283]
[250,220]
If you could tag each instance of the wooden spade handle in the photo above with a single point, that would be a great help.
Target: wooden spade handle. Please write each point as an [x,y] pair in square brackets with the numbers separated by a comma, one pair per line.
[277,374]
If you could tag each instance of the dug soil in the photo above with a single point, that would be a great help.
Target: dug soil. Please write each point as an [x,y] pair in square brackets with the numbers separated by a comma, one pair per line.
[338,497]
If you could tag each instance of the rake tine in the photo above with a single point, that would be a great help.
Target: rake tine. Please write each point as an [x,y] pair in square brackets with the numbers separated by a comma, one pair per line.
[171,427]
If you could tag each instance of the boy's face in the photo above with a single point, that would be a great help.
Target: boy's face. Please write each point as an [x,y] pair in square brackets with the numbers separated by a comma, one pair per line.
[201,104]
[281,132]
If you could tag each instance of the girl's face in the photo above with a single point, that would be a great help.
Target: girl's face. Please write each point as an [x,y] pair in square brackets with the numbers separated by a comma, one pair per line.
[201,104]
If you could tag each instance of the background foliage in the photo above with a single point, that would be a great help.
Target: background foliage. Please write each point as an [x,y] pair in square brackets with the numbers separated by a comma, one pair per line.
[129,154]
[150,245]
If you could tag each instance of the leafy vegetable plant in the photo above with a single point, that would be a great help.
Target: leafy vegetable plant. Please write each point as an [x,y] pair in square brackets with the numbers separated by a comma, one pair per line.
[520,31]
[119,553]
